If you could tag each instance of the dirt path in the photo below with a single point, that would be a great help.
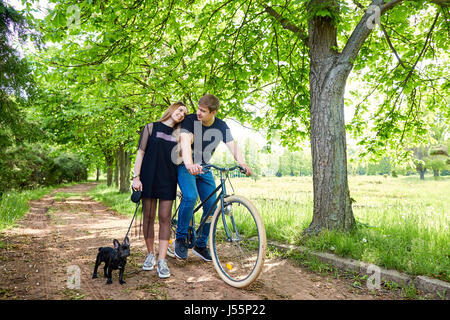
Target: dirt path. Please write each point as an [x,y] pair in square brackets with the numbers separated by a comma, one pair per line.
[60,238]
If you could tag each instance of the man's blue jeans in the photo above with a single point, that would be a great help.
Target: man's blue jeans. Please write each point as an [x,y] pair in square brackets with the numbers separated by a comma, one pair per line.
[193,186]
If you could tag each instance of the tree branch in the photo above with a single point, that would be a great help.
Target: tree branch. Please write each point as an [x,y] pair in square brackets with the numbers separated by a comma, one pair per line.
[286,24]
[362,30]
[428,38]
[359,5]
[389,5]
[392,46]
[410,73]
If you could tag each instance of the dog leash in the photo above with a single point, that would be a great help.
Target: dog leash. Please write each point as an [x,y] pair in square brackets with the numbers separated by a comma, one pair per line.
[137,206]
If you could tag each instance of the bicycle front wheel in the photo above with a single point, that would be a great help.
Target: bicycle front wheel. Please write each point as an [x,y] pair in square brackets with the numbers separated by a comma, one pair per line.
[237,240]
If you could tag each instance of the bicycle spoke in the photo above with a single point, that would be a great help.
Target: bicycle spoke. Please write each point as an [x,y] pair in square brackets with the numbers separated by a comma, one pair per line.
[237,242]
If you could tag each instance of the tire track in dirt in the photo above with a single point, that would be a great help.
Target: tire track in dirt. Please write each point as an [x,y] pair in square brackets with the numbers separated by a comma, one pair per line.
[61,234]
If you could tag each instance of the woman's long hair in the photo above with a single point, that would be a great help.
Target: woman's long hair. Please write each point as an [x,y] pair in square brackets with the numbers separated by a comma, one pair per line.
[168,113]
[177,127]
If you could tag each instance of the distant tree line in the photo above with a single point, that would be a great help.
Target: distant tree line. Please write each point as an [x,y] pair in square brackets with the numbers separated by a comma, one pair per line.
[424,159]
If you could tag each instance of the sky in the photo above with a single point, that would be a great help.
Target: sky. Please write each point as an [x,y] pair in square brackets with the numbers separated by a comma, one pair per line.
[40,6]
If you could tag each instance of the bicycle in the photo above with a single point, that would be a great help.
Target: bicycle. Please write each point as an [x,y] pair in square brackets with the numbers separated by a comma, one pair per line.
[237,238]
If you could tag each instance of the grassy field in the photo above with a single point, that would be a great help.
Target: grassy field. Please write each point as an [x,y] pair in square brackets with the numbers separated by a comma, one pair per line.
[403,223]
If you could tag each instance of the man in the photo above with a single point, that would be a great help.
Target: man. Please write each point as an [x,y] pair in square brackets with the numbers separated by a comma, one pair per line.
[201,133]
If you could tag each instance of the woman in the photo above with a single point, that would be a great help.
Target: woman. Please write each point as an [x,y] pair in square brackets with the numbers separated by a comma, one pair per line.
[155,173]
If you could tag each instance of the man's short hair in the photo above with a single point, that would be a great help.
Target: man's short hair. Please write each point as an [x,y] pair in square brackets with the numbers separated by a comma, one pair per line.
[211,101]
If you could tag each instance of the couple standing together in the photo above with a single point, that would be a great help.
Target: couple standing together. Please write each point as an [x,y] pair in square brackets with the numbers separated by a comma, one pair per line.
[157,171]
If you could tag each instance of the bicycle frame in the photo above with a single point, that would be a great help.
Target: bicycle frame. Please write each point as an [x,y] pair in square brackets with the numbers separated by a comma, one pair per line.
[221,196]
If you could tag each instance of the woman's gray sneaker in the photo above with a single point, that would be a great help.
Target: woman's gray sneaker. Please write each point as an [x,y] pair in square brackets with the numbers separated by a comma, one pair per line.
[163,269]
[149,263]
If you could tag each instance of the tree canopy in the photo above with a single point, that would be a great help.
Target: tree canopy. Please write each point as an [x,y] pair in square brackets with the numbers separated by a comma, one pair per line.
[109,67]
[137,56]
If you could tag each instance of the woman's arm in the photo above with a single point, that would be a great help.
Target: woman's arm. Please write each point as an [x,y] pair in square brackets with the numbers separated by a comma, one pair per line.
[137,184]
[145,135]
[186,153]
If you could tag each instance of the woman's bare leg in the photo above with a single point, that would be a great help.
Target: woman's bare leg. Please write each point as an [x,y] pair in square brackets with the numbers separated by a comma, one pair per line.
[149,207]
[164,213]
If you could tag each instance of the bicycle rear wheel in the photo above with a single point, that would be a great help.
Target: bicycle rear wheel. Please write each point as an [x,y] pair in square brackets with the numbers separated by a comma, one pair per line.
[238,255]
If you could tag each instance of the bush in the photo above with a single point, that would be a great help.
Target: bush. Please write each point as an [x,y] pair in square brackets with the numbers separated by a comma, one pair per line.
[68,167]
[29,166]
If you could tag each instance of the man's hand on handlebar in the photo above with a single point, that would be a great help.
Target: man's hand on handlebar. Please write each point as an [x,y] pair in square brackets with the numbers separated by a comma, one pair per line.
[248,170]
[194,169]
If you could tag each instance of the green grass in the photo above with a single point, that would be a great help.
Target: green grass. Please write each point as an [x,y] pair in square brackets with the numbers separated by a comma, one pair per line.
[113,199]
[403,223]
[14,205]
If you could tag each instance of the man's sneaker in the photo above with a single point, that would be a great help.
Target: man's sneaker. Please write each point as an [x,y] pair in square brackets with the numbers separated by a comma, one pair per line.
[181,249]
[149,263]
[163,269]
[170,252]
[202,253]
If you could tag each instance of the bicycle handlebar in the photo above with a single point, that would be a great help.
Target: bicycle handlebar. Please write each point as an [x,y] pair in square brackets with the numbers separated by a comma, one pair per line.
[209,166]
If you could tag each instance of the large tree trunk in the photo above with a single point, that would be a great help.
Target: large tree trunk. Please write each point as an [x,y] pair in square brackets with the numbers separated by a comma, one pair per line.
[328,76]
[332,204]
[421,171]
[329,70]
[420,153]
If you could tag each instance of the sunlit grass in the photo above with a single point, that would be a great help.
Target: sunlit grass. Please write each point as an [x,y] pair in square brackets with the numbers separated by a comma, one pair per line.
[402,222]
[14,205]
[112,198]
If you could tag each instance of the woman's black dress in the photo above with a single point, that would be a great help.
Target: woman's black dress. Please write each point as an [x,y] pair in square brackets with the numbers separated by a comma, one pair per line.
[158,171]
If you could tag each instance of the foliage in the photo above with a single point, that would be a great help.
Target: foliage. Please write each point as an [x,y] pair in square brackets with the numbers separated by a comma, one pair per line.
[31,165]
[138,56]
[402,81]
[117,64]
[25,162]
[15,75]
[16,81]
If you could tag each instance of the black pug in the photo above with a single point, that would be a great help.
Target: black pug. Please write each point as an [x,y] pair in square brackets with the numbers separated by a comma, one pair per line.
[114,258]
